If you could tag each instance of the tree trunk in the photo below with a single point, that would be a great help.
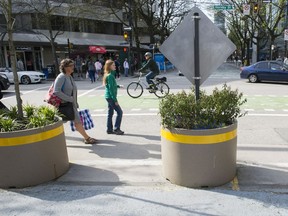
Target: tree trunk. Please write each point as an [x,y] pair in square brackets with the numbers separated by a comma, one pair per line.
[10,23]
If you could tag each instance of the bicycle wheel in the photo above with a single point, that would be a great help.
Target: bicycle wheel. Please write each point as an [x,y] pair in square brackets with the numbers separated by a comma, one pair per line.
[134,89]
[162,90]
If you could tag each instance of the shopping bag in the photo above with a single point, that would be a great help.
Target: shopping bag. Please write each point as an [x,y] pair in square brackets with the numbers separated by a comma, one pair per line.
[51,98]
[85,118]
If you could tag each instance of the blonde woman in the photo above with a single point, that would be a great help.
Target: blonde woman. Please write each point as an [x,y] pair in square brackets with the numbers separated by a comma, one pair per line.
[111,96]
[66,89]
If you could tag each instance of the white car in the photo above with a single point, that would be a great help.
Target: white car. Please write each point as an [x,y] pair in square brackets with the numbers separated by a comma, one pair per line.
[25,77]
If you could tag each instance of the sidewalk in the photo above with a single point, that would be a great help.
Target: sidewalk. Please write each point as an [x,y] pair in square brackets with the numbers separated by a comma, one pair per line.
[122,175]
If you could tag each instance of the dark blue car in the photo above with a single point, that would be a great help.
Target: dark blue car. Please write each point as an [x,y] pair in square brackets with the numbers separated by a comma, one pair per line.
[265,71]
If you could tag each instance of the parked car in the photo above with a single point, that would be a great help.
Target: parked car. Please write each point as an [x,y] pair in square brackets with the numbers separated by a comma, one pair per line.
[25,77]
[4,82]
[265,71]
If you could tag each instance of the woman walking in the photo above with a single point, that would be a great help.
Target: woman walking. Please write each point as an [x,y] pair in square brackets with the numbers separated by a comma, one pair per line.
[66,89]
[111,96]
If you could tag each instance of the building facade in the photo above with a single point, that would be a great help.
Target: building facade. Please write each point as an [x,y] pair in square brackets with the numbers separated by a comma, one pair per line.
[75,28]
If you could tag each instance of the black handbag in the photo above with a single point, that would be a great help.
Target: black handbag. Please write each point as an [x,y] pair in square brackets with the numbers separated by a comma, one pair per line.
[67,112]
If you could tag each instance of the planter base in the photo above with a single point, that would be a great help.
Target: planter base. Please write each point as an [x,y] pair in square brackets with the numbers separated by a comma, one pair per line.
[191,158]
[32,157]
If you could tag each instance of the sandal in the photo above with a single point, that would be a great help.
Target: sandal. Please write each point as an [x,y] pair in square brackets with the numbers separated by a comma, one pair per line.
[90,140]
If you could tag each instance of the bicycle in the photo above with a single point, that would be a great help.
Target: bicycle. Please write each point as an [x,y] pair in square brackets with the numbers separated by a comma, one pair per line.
[159,87]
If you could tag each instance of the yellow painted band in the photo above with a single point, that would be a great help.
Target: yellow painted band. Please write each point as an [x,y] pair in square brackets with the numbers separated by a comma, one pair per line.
[196,140]
[24,140]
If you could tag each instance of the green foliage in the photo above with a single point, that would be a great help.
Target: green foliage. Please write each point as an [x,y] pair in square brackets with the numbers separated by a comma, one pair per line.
[34,117]
[219,109]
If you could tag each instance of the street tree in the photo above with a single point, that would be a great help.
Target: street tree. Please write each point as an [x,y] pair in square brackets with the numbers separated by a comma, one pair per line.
[265,23]
[45,12]
[6,7]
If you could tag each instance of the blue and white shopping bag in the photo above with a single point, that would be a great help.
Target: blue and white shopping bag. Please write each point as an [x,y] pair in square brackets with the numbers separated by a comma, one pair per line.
[86,120]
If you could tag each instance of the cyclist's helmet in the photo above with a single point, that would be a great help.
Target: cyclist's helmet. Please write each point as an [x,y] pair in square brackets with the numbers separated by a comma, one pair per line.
[148,54]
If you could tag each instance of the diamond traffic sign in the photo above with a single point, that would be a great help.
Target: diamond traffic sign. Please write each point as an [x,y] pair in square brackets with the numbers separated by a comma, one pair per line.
[214,47]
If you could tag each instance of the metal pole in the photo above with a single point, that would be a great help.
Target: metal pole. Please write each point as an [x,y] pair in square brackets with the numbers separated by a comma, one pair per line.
[196,56]
[68,43]
[130,39]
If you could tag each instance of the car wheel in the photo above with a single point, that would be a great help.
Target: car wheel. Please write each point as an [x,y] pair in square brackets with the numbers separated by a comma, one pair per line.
[253,78]
[25,80]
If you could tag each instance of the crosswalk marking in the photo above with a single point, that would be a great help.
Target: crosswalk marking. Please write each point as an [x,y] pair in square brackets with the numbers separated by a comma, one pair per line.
[99,110]
[135,109]
[154,109]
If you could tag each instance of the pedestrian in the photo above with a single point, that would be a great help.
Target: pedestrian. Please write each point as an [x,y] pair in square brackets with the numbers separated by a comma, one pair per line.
[66,89]
[84,69]
[153,67]
[78,65]
[117,65]
[110,84]
[286,61]
[98,67]
[126,67]
[135,64]
[91,69]
[20,65]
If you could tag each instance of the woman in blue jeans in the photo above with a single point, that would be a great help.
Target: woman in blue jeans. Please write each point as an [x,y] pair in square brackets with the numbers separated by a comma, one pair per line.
[111,96]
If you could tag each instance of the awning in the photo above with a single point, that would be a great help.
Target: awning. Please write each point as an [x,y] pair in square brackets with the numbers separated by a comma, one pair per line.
[97,49]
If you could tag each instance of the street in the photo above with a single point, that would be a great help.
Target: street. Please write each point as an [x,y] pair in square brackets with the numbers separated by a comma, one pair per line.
[122,174]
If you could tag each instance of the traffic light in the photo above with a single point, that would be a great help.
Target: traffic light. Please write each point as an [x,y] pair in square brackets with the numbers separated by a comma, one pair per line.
[255,8]
[125,36]
[70,45]
[125,49]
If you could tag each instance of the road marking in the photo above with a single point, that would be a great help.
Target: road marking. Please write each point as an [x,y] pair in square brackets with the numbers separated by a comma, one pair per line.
[134,110]
[99,110]
[235,184]
[128,114]
[87,92]
[269,110]
[249,110]
[25,92]
[154,109]
[266,114]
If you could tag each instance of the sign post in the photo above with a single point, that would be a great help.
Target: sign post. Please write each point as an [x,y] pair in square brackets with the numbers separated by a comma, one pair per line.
[197,77]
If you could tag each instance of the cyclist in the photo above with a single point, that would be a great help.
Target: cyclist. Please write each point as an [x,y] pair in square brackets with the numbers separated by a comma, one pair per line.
[153,67]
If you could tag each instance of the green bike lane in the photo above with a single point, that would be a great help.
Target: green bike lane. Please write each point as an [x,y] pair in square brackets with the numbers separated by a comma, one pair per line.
[149,103]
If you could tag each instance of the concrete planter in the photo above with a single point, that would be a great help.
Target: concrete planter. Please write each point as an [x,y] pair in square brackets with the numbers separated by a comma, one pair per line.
[199,158]
[34,156]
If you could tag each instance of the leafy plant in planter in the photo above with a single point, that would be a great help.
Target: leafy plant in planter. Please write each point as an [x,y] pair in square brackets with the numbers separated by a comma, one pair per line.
[219,109]
[34,117]
[199,138]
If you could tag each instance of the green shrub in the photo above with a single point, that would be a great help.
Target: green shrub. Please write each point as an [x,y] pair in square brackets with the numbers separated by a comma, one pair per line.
[34,117]
[219,109]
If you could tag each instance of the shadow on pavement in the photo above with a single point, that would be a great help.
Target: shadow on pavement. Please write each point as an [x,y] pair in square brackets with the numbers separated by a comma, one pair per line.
[122,150]
[149,137]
